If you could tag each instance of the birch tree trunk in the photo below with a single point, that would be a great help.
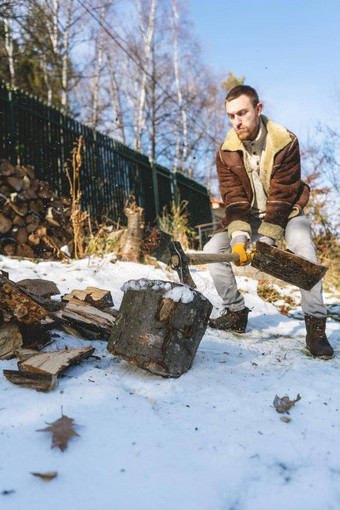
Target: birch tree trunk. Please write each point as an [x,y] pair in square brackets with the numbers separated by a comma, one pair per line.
[8,26]
[179,96]
[65,57]
[115,92]
[54,36]
[147,36]
[100,52]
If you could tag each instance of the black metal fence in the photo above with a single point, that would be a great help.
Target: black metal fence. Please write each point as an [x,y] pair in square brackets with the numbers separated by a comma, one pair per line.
[33,133]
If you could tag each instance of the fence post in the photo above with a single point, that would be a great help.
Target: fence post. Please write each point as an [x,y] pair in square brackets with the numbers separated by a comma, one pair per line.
[11,128]
[176,193]
[155,188]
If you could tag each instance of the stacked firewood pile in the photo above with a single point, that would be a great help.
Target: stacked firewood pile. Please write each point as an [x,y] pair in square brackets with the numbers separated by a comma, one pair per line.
[33,221]
[27,317]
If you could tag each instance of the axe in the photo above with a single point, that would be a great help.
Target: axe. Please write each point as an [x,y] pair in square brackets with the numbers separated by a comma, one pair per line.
[282,264]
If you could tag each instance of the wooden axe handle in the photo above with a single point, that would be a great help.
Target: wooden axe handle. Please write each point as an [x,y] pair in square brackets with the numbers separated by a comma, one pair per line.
[210,258]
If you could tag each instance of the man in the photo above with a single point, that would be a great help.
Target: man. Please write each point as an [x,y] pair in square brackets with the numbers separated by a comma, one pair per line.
[258,167]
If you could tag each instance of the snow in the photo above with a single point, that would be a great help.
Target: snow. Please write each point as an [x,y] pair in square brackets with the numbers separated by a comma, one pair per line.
[210,439]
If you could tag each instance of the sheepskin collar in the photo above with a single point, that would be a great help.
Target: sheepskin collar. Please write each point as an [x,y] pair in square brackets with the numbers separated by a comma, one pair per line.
[277,138]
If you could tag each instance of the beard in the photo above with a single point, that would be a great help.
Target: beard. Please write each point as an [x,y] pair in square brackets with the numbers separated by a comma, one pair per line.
[248,134]
[244,135]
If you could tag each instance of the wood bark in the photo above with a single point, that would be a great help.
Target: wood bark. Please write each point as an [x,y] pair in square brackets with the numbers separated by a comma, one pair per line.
[287,266]
[18,303]
[42,288]
[38,382]
[159,326]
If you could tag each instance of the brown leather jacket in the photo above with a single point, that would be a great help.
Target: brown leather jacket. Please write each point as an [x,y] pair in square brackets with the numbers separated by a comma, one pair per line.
[287,194]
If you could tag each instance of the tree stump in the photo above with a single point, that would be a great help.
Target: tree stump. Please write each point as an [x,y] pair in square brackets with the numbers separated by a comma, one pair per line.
[159,326]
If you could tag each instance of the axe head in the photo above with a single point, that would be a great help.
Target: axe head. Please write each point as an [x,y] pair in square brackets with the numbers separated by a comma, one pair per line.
[180,263]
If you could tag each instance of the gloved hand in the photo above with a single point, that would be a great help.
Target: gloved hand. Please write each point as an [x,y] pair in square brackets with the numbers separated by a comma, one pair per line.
[267,240]
[239,246]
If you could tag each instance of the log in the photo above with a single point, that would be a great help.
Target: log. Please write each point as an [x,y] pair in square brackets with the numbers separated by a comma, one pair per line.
[38,382]
[18,303]
[15,182]
[6,168]
[18,220]
[45,191]
[23,250]
[5,224]
[20,234]
[42,288]
[54,362]
[10,340]
[97,297]
[159,326]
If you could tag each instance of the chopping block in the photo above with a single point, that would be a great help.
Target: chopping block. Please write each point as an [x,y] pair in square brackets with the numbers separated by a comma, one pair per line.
[159,326]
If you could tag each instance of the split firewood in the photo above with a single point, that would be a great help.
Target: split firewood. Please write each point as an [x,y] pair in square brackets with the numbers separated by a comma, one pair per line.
[43,288]
[96,297]
[90,322]
[10,340]
[35,381]
[6,168]
[25,354]
[54,362]
[18,303]
[36,336]
[5,224]
[35,222]
[15,182]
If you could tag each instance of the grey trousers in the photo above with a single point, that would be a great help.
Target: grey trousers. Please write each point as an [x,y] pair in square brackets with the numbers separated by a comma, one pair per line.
[299,240]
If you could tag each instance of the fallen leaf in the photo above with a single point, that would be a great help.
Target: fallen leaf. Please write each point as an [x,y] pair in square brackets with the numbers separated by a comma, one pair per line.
[47,477]
[285,419]
[282,405]
[62,431]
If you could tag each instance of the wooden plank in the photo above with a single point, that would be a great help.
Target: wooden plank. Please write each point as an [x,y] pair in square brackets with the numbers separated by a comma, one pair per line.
[54,362]
[38,382]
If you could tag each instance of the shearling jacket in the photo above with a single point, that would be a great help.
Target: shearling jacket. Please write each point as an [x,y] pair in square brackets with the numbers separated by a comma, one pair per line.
[287,194]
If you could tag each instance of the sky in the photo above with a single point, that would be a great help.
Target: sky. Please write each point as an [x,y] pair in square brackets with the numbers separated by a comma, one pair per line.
[287,50]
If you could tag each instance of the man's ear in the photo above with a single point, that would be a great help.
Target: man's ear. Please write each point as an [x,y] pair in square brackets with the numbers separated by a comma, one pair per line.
[259,108]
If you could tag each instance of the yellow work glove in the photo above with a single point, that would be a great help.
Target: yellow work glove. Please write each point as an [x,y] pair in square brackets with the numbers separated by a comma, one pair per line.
[245,258]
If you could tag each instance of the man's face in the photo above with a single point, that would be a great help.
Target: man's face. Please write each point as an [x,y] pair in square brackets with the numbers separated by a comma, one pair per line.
[244,117]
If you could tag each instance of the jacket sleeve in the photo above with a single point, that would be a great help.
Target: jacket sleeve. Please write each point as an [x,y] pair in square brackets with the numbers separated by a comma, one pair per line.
[233,194]
[285,190]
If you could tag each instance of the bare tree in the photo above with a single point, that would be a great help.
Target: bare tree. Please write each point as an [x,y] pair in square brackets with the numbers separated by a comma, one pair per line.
[8,26]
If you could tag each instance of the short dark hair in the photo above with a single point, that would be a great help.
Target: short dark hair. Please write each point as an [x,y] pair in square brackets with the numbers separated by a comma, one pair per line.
[245,90]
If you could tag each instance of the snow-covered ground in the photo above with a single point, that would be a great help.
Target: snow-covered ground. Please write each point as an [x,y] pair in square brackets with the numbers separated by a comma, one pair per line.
[210,439]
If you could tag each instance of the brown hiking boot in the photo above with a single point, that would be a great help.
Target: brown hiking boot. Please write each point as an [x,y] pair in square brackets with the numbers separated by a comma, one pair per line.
[231,321]
[316,339]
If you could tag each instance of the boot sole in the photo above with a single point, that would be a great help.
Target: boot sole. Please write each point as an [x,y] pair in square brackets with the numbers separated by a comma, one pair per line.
[324,356]
[226,329]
